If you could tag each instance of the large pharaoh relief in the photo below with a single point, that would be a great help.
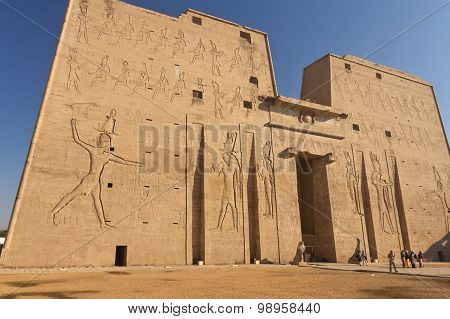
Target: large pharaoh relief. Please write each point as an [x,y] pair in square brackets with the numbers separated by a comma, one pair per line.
[442,193]
[100,155]
[266,174]
[229,169]
[384,197]
[353,184]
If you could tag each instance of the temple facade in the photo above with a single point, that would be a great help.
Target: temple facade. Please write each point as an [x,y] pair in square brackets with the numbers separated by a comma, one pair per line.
[163,140]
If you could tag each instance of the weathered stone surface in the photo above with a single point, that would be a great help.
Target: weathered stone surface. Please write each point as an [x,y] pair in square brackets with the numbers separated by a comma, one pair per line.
[162,141]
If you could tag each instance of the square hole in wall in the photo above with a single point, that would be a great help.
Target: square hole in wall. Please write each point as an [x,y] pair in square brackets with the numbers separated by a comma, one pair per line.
[348,67]
[197,95]
[197,20]
[110,185]
[379,76]
[246,36]
[254,80]
[112,149]
[248,105]
[355,127]
[388,133]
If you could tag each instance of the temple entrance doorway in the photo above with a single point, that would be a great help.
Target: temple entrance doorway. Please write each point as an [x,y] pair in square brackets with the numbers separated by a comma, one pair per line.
[314,208]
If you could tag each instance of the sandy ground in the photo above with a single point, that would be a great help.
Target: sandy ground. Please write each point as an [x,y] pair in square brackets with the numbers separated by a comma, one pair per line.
[222,282]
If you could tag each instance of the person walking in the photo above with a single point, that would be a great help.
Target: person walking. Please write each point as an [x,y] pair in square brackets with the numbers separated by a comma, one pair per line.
[413,257]
[402,257]
[359,257]
[407,258]
[420,257]
[391,258]
[364,258]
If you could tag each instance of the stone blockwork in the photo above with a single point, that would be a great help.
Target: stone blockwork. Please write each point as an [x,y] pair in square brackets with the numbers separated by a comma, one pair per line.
[163,140]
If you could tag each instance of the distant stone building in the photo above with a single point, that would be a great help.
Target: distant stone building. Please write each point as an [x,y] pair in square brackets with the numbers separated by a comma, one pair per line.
[163,140]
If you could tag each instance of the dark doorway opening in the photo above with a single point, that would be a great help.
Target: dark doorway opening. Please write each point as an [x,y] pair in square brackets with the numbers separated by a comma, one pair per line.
[252,205]
[315,208]
[441,256]
[305,188]
[121,256]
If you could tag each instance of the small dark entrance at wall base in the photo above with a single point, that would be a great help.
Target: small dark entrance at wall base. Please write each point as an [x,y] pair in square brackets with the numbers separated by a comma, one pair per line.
[121,256]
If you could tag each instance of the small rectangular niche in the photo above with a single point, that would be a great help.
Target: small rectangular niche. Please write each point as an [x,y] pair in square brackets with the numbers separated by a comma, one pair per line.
[110,185]
[145,223]
[348,67]
[112,149]
[248,105]
[149,120]
[197,20]
[388,133]
[121,256]
[246,36]
[197,95]
[254,80]
[355,127]
[379,76]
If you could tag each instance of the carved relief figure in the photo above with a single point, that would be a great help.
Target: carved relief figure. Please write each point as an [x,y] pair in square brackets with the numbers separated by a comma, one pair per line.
[126,32]
[144,34]
[230,169]
[74,67]
[109,124]
[216,54]
[180,85]
[109,26]
[342,82]
[442,196]
[415,108]
[161,41]
[236,60]
[83,19]
[218,97]
[161,84]
[265,173]
[102,71]
[250,66]
[100,155]
[353,185]
[179,45]
[124,77]
[358,93]
[237,99]
[367,95]
[262,64]
[199,52]
[385,203]
[143,81]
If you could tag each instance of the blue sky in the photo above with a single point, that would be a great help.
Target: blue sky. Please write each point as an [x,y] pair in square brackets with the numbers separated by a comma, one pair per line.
[300,31]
